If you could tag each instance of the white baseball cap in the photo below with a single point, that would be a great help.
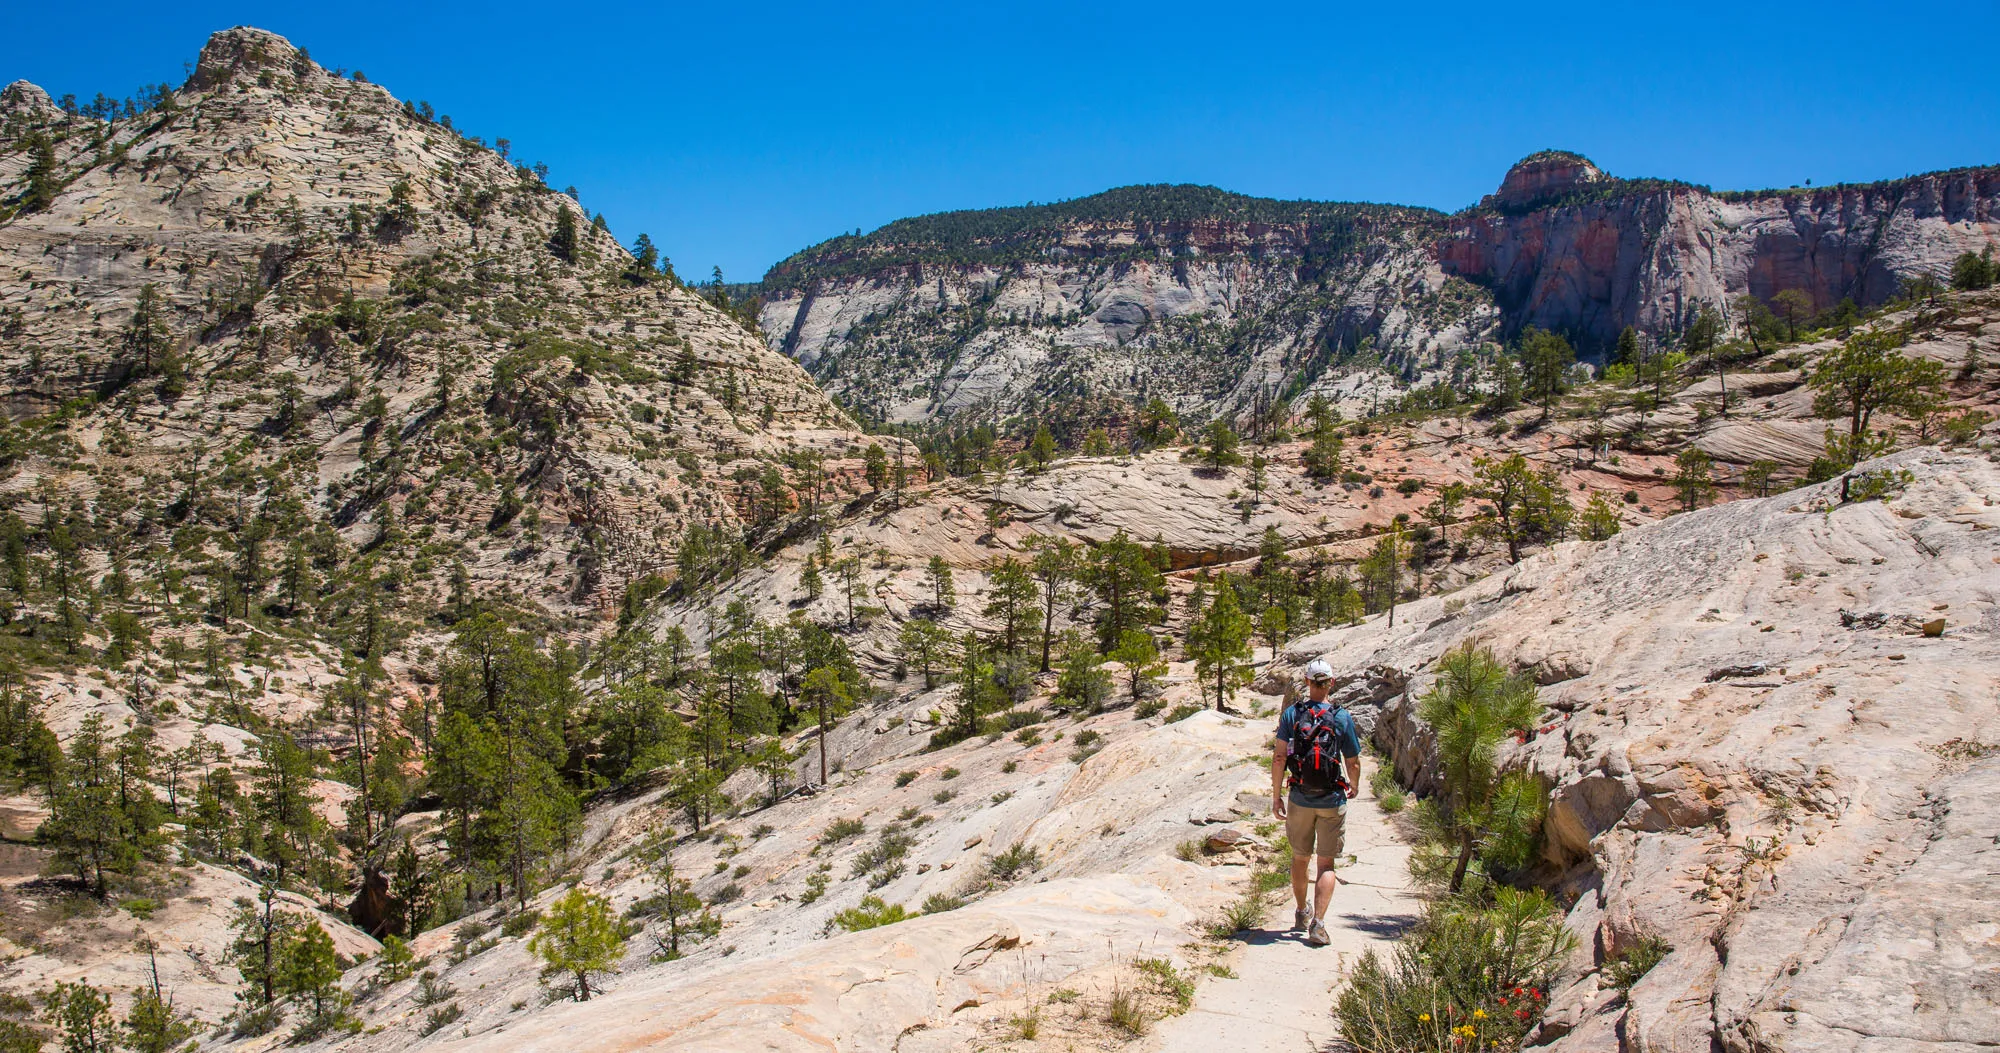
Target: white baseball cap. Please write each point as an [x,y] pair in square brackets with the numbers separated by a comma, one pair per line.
[1317,669]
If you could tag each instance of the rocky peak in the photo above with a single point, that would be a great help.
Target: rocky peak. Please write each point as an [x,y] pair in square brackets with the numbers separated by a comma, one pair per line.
[22,99]
[1543,175]
[246,49]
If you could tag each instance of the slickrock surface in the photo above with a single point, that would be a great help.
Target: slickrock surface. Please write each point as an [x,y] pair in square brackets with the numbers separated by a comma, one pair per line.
[1759,756]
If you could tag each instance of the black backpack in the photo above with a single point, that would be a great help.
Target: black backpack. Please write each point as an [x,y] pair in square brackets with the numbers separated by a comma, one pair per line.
[1315,762]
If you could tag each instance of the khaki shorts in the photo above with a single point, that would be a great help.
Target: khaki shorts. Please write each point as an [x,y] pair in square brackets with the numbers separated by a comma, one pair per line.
[1315,831]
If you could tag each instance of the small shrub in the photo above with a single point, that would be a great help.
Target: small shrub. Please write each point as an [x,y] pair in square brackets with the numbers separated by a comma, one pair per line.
[1168,980]
[909,814]
[1409,486]
[1084,746]
[1125,1011]
[948,774]
[1217,969]
[255,1023]
[815,885]
[939,902]
[1028,1025]
[729,893]
[944,796]
[440,1018]
[1246,913]
[871,914]
[840,830]
[740,872]
[1029,736]
[1491,962]
[140,907]
[1065,995]
[521,923]
[434,990]
[1010,767]
[1002,796]
[1635,961]
[1189,850]
[1183,711]
[1148,707]
[904,778]
[1015,861]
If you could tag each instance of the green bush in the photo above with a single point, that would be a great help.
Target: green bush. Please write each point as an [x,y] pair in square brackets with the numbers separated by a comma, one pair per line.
[939,902]
[840,830]
[1015,861]
[871,914]
[520,924]
[1183,711]
[1472,975]
[1625,968]
[905,778]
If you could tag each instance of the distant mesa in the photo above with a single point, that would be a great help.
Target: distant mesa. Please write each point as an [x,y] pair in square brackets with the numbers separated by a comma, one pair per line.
[1542,175]
[245,49]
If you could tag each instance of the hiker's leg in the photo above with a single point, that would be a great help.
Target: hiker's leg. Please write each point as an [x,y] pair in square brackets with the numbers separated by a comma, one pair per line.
[1323,887]
[1331,833]
[1299,826]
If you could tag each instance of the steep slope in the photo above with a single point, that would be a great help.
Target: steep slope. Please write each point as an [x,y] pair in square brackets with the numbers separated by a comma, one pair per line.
[1761,755]
[295,378]
[367,304]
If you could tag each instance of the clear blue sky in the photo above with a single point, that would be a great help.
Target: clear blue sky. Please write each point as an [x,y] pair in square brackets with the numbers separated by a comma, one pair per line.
[738,133]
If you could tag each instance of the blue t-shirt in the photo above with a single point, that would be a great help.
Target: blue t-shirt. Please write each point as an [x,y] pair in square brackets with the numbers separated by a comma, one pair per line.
[1345,741]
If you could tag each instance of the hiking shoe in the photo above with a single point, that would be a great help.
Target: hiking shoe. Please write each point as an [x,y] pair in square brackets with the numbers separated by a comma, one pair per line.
[1301,919]
[1316,936]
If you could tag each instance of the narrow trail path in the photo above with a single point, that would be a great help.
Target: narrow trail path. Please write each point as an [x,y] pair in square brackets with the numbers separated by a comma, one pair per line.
[1282,997]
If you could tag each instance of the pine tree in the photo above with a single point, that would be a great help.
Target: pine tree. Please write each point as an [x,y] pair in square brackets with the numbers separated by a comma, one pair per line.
[88,830]
[924,645]
[1322,456]
[1042,448]
[1219,643]
[1692,478]
[1128,583]
[1011,601]
[42,180]
[309,971]
[1140,656]
[578,937]
[675,901]
[1219,445]
[1054,568]
[82,1017]
[1545,361]
[563,243]
[1474,704]
[826,695]
[944,591]
[875,466]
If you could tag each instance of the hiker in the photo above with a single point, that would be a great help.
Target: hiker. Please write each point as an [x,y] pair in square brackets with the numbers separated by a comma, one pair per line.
[1317,754]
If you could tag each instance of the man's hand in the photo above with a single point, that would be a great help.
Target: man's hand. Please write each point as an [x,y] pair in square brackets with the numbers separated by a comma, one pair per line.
[1278,806]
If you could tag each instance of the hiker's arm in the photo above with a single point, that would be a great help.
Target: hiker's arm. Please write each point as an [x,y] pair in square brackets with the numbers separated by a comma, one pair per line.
[1279,749]
[1354,774]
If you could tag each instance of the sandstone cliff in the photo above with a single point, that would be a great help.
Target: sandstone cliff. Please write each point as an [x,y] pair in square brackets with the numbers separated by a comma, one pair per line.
[1566,248]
